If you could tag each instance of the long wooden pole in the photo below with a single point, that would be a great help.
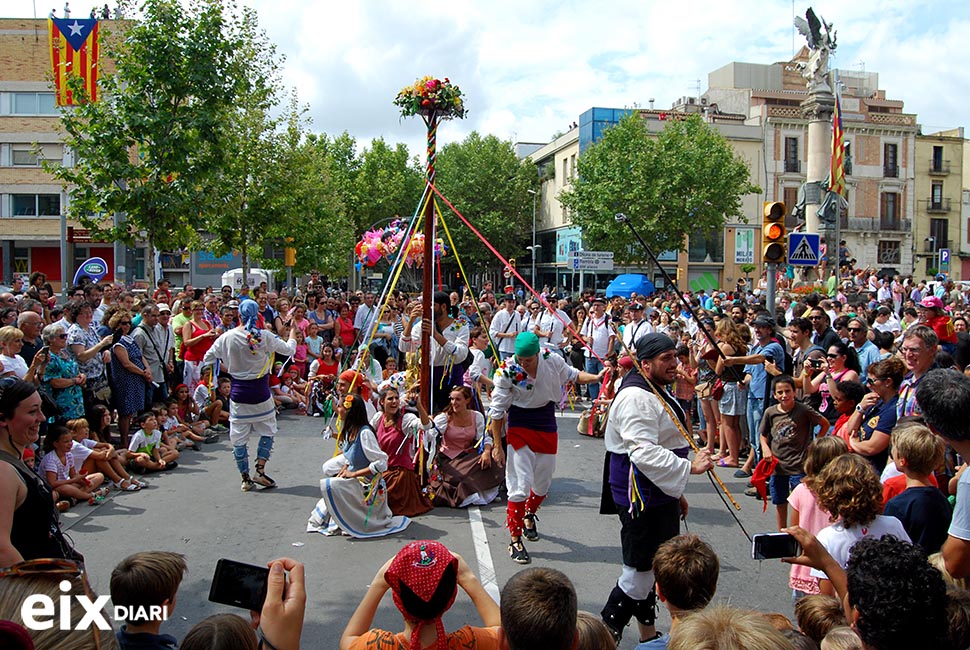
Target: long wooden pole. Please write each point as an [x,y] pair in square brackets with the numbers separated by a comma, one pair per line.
[431,121]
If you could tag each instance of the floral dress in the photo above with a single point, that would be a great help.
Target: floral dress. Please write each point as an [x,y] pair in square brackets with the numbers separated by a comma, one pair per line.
[70,400]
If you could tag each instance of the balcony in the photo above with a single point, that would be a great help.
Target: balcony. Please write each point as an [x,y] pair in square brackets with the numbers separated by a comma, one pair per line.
[939,206]
[939,167]
[877,224]
[932,246]
[793,166]
[890,171]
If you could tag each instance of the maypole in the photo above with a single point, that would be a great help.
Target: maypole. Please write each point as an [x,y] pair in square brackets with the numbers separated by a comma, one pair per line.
[434,100]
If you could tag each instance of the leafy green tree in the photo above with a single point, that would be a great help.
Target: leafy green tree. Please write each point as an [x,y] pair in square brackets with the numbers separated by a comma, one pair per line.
[250,189]
[148,149]
[488,184]
[388,183]
[686,179]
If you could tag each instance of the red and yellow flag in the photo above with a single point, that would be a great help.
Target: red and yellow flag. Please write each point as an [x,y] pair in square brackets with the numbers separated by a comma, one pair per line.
[74,52]
[837,170]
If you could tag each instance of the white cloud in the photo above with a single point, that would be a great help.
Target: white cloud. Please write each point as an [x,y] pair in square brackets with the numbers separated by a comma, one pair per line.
[528,69]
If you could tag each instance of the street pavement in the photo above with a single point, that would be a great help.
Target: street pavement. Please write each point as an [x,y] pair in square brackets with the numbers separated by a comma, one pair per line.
[198,510]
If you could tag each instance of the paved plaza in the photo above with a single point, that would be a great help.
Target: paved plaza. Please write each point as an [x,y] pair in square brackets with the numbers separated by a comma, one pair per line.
[199,511]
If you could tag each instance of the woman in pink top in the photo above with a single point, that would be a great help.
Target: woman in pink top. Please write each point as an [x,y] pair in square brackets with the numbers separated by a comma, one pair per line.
[464,473]
[806,512]
[397,433]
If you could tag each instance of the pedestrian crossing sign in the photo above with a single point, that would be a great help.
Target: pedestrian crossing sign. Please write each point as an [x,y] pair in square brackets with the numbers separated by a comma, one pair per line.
[803,249]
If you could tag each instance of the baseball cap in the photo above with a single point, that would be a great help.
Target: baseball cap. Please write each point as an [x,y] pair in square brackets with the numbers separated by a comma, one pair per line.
[233,304]
[763,321]
[164,308]
[931,302]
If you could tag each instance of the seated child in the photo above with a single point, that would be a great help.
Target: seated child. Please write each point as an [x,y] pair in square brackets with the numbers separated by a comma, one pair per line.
[58,468]
[299,384]
[288,396]
[922,508]
[171,440]
[217,410]
[686,571]
[424,578]
[92,457]
[187,435]
[140,582]
[145,449]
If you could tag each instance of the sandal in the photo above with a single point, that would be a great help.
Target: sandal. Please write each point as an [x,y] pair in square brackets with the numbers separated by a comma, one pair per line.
[722,463]
[262,478]
[96,500]
[63,506]
[742,474]
[131,487]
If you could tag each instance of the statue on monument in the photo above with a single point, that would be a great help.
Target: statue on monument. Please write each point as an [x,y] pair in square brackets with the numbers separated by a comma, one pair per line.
[821,46]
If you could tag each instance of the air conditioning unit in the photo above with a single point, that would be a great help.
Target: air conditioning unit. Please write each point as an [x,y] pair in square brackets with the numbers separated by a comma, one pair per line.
[703,101]
[691,100]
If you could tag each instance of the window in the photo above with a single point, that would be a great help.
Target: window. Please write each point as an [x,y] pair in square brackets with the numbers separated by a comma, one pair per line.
[791,199]
[21,261]
[565,170]
[890,161]
[23,157]
[888,253]
[939,231]
[936,198]
[35,205]
[572,166]
[848,159]
[889,211]
[937,163]
[791,155]
[33,104]
[706,247]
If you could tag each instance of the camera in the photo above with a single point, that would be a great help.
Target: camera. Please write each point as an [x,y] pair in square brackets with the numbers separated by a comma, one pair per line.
[815,363]
[771,546]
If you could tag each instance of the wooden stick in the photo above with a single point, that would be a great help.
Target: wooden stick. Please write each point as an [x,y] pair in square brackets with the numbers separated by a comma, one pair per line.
[673,416]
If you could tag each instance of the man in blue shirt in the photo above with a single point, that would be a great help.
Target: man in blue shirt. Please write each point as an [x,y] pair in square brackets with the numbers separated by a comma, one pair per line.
[867,352]
[771,350]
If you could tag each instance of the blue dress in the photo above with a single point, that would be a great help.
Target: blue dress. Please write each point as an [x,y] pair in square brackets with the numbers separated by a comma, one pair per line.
[70,400]
[128,388]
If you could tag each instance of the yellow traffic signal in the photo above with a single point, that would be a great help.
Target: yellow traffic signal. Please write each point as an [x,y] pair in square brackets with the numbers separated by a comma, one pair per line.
[773,234]
[512,262]
[289,256]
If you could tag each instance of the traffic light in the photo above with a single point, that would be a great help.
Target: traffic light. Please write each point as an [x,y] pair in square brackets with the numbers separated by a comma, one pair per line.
[512,262]
[773,233]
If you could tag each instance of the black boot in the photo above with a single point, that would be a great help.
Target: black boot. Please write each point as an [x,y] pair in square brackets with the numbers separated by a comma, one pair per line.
[617,612]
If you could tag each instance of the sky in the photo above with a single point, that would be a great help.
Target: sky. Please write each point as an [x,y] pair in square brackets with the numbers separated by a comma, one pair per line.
[529,68]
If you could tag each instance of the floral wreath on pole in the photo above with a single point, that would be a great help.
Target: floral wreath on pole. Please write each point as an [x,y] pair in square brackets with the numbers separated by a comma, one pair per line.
[430,97]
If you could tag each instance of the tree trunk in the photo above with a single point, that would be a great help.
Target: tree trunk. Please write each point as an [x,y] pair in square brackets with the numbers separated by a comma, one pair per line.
[244,258]
[150,265]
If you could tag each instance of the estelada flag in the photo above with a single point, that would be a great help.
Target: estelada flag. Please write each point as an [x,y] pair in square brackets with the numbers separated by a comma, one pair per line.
[74,51]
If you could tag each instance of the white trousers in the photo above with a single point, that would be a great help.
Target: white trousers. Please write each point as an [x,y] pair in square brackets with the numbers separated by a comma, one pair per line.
[526,470]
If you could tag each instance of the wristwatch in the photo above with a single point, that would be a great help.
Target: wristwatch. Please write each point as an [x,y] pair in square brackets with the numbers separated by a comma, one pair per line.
[859,409]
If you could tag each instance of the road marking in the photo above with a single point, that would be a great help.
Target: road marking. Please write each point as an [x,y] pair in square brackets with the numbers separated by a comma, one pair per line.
[486,569]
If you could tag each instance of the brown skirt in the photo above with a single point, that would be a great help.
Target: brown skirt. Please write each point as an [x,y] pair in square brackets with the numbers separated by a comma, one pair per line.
[462,477]
[404,495]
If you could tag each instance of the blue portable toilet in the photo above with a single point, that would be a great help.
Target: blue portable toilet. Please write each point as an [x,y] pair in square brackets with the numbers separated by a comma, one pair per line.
[628,283]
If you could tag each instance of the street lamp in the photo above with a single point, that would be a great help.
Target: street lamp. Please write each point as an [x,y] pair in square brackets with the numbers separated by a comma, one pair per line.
[534,246]
[932,242]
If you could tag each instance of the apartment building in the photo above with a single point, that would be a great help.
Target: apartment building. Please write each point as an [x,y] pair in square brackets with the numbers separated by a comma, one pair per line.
[939,182]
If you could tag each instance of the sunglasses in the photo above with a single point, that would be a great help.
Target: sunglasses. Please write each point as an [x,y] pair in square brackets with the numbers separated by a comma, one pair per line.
[62,336]
[55,567]
[854,329]
[125,322]
[833,356]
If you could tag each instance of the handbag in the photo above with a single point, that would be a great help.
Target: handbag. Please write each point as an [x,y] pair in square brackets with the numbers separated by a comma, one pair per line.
[717,391]
[704,389]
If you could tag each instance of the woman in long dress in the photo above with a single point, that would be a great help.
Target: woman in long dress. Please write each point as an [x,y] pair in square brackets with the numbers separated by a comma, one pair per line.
[397,434]
[464,473]
[354,493]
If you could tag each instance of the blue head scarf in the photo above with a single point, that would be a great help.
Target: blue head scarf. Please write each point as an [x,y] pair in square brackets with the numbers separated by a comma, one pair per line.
[249,313]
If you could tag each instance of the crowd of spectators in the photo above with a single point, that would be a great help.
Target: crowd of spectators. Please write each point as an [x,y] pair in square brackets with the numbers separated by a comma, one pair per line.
[852,394]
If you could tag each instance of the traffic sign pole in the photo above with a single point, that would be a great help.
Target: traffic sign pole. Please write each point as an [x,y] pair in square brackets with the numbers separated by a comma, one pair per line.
[772,271]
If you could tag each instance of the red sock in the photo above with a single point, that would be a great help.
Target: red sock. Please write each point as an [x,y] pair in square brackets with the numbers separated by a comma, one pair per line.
[533,502]
[514,513]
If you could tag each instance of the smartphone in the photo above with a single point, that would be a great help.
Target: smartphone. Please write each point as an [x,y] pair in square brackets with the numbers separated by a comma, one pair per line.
[239,585]
[771,546]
